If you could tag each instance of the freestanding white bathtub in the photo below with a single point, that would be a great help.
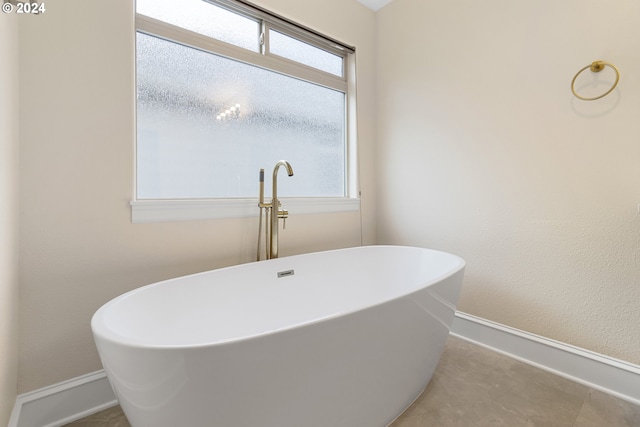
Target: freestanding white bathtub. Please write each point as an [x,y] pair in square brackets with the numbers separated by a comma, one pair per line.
[344,338]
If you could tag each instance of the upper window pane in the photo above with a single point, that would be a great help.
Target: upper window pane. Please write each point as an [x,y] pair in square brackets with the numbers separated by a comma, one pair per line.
[204,18]
[296,50]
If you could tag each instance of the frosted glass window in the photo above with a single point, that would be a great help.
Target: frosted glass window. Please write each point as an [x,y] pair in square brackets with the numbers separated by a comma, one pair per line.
[205,18]
[296,50]
[207,124]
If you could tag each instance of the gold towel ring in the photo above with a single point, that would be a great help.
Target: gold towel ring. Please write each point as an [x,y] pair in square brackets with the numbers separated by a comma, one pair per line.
[596,67]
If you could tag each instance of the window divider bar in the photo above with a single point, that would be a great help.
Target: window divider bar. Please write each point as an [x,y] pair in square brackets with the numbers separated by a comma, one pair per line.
[264,27]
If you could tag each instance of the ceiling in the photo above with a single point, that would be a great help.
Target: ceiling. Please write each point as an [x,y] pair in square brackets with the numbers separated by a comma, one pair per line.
[375,4]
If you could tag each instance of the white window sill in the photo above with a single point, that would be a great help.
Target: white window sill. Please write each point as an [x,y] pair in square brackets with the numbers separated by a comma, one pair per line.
[146,211]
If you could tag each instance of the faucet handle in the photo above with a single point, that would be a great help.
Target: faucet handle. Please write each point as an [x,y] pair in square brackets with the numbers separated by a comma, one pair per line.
[284,214]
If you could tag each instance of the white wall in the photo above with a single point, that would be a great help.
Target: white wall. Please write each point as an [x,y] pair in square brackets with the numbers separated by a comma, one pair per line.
[78,246]
[8,214]
[484,152]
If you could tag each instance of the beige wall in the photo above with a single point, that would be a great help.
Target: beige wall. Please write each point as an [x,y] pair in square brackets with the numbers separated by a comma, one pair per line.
[78,246]
[8,214]
[484,152]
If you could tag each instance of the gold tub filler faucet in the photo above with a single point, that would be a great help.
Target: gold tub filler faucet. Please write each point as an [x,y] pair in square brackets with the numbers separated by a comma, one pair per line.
[271,216]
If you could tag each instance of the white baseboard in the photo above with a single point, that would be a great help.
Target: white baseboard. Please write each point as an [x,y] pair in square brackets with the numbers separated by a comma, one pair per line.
[612,376]
[65,402]
[62,403]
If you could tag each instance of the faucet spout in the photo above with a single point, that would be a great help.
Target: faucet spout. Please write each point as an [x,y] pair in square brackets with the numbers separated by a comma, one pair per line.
[277,167]
[276,213]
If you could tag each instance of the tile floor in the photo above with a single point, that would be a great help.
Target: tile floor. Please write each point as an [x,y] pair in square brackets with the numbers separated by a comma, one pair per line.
[474,387]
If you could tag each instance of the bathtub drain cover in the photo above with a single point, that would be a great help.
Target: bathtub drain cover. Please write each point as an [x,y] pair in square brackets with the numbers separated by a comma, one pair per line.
[285,273]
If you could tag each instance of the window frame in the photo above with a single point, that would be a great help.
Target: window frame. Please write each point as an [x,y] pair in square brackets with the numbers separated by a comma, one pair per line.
[159,210]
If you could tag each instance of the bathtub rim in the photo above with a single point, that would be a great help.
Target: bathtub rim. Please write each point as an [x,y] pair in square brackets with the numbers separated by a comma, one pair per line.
[100,329]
